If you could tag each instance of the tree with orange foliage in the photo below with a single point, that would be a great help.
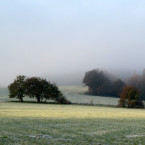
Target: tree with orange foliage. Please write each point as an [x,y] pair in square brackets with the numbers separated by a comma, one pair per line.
[130,98]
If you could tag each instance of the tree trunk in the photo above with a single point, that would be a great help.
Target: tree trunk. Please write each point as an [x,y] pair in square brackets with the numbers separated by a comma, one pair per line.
[38,99]
[21,99]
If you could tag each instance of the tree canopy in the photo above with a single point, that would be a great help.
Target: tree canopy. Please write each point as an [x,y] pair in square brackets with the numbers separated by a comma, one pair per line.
[35,88]
[17,89]
[138,81]
[100,84]
[130,98]
[97,82]
[117,87]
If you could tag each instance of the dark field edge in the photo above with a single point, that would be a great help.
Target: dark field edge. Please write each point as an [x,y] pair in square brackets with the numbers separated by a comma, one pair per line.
[79,104]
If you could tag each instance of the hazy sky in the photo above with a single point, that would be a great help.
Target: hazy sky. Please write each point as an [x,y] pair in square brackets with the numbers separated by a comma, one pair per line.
[56,37]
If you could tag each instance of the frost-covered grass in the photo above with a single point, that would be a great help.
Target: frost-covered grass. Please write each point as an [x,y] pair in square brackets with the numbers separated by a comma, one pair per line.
[76,94]
[4,94]
[50,124]
[32,124]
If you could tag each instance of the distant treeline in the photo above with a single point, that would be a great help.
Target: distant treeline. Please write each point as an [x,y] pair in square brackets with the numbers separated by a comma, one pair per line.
[101,83]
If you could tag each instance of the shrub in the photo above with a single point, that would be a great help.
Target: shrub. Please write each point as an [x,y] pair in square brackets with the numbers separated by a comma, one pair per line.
[62,100]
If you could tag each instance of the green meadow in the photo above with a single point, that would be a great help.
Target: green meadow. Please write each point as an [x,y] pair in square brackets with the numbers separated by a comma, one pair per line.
[48,124]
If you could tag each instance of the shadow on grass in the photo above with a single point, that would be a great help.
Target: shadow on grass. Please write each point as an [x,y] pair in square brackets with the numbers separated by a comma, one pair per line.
[79,104]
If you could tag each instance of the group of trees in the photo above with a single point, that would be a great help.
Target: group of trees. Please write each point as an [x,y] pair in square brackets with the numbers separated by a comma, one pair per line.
[138,81]
[35,87]
[99,83]
[131,92]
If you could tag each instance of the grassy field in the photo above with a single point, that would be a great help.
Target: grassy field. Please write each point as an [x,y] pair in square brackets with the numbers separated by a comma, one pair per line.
[4,94]
[31,124]
[48,124]
[76,94]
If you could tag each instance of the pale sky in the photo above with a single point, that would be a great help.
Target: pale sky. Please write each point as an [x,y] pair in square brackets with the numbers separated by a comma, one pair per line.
[58,37]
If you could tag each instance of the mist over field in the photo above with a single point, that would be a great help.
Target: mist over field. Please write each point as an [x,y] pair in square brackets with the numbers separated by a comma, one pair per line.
[72,72]
[61,40]
[75,78]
